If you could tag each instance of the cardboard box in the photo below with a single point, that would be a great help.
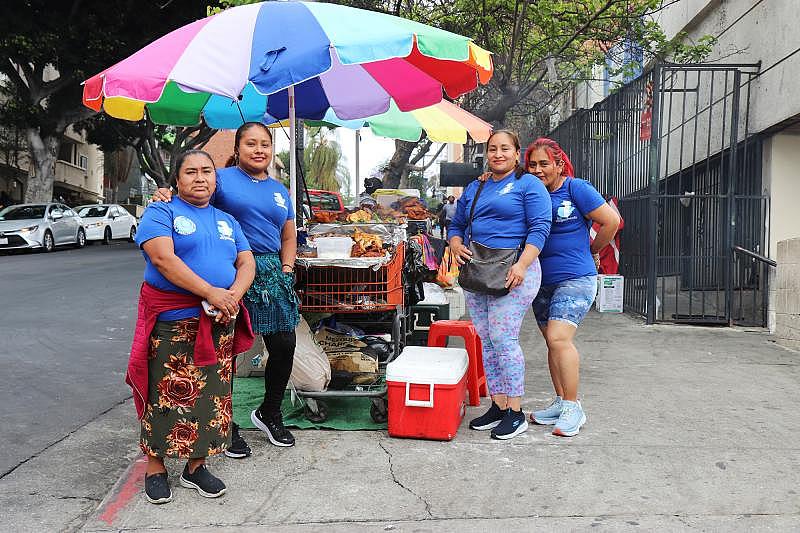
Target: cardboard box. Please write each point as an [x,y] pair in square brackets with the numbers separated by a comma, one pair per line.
[610,293]
[427,392]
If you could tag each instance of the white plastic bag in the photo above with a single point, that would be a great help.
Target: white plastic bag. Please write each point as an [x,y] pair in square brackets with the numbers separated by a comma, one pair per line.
[311,370]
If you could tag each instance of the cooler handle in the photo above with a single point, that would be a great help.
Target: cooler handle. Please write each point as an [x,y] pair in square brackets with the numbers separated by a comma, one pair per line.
[419,403]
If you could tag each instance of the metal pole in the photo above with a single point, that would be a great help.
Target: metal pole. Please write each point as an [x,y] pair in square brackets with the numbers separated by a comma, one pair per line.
[358,168]
[292,146]
[652,222]
[730,227]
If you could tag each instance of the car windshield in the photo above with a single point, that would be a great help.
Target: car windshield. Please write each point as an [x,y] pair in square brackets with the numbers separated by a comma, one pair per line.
[93,211]
[325,201]
[22,212]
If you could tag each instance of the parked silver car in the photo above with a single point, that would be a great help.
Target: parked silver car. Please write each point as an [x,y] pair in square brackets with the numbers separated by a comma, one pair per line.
[106,222]
[42,226]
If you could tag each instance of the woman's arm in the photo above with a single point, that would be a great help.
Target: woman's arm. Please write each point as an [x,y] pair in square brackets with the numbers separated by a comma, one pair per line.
[245,273]
[288,246]
[161,252]
[608,219]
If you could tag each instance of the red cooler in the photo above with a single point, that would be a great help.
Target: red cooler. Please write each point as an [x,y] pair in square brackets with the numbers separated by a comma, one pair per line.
[427,392]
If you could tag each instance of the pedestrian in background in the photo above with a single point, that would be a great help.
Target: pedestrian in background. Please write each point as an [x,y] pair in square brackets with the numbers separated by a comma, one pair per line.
[181,363]
[511,211]
[264,209]
[569,276]
[448,212]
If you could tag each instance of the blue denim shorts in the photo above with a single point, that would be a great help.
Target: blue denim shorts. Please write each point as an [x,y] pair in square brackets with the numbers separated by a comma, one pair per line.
[568,301]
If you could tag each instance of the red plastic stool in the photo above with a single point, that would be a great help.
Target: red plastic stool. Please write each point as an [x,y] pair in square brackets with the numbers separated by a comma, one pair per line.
[476,378]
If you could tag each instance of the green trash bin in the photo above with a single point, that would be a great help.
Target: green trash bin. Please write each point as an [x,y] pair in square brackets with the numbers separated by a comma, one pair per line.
[422,315]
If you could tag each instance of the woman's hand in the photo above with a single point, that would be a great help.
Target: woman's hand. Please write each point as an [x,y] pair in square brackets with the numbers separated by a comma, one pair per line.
[224,300]
[462,253]
[515,276]
[162,195]
[485,176]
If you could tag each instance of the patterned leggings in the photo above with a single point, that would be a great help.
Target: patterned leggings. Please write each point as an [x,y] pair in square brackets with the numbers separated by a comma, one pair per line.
[498,320]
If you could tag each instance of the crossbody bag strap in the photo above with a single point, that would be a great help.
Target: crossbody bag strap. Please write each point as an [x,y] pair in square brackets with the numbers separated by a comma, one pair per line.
[472,208]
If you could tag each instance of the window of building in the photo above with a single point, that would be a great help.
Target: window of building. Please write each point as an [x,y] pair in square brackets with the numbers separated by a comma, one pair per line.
[67,151]
[83,161]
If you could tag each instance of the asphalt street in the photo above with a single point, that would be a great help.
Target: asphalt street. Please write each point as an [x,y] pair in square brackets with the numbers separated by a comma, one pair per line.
[66,329]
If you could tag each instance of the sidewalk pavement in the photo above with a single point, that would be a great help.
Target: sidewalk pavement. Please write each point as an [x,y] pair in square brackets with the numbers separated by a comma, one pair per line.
[688,428]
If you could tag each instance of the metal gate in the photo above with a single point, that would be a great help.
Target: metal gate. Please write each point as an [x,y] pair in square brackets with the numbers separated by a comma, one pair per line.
[673,146]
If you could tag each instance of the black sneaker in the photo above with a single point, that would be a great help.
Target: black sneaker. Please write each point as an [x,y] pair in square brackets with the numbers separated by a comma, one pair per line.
[513,424]
[238,448]
[489,419]
[156,488]
[208,485]
[273,427]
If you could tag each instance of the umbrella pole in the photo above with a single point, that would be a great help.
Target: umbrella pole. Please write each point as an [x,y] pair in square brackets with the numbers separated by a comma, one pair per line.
[292,150]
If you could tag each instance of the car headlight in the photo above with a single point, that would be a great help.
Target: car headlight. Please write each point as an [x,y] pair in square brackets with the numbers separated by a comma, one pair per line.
[94,225]
[29,229]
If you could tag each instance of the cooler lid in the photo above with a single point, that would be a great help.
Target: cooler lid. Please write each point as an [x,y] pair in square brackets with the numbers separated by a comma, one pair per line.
[423,364]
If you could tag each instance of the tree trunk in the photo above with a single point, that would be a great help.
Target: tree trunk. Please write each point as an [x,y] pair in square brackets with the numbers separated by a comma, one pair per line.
[44,152]
[397,168]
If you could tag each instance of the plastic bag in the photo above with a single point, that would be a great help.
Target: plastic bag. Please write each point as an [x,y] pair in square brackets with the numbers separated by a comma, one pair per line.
[312,369]
[448,270]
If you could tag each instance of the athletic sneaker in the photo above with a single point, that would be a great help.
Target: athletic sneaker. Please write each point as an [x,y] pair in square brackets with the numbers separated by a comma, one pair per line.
[571,419]
[156,488]
[273,427]
[513,424]
[489,419]
[238,448]
[206,483]
[549,415]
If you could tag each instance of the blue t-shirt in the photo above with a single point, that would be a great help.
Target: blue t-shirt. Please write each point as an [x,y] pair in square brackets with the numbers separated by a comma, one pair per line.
[262,207]
[566,254]
[205,238]
[508,212]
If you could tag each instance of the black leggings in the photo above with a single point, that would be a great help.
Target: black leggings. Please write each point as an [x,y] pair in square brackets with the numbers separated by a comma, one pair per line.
[281,346]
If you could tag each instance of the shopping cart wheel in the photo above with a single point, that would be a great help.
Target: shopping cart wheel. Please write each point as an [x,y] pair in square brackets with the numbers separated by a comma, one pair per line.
[378,411]
[315,411]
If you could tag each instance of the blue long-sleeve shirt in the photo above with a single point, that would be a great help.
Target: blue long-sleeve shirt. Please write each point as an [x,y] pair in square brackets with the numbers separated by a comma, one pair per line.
[508,212]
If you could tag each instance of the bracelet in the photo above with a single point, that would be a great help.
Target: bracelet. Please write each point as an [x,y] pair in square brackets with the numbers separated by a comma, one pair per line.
[288,265]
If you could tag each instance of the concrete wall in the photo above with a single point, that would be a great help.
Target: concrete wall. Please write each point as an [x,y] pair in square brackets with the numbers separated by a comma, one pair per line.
[787,289]
[782,179]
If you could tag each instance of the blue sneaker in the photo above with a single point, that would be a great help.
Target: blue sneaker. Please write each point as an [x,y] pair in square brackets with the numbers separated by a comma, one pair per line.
[549,415]
[513,424]
[488,420]
[571,419]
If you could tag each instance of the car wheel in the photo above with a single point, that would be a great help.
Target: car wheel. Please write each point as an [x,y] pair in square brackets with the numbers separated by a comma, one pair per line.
[48,244]
[80,242]
[132,237]
[107,236]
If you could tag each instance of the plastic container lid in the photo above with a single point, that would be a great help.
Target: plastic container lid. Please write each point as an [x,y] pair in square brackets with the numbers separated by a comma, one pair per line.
[333,247]
[423,364]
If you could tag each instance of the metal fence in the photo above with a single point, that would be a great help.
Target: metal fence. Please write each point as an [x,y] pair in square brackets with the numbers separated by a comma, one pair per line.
[674,147]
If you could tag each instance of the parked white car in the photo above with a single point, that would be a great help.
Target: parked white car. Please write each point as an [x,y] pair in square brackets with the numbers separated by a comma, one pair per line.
[104,222]
[42,226]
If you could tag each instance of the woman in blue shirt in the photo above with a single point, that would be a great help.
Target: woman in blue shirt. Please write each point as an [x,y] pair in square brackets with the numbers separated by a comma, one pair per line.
[194,253]
[264,209]
[569,276]
[512,210]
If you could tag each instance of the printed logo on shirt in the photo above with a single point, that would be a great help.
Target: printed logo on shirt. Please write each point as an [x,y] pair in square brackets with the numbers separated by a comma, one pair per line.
[184,225]
[564,211]
[280,201]
[507,189]
[225,230]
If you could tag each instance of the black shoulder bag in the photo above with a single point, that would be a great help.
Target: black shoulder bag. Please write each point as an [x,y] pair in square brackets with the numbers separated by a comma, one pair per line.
[485,272]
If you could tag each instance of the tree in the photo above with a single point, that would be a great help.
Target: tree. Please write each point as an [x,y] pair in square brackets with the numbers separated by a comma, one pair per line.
[48,48]
[323,163]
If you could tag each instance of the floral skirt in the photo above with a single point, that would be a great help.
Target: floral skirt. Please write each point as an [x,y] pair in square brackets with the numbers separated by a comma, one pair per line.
[189,412]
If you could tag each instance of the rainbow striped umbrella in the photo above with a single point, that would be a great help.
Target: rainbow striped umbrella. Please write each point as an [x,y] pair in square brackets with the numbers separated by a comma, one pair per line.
[276,60]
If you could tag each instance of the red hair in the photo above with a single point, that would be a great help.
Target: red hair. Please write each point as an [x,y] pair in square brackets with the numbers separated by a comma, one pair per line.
[554,151]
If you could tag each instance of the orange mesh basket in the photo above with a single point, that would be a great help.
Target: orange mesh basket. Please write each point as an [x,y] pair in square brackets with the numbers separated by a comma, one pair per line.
[326,289]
